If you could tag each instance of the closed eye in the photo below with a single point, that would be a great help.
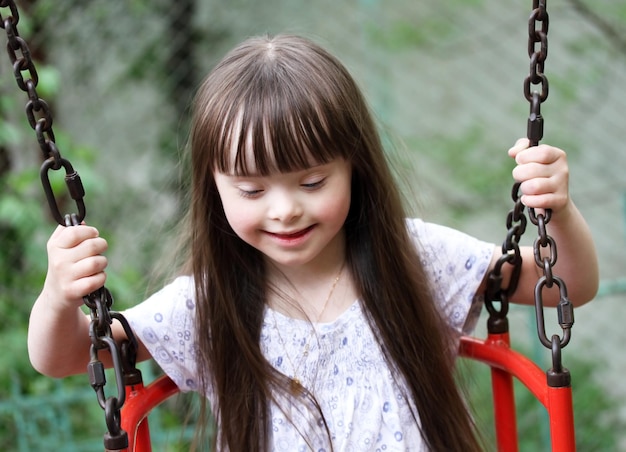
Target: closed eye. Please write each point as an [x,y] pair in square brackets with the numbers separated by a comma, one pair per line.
[314,185]
[250,193]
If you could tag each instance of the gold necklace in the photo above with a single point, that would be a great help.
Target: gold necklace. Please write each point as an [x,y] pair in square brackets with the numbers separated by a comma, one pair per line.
[295,384]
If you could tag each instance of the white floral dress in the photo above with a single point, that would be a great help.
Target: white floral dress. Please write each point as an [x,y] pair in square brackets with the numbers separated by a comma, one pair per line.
[344,369]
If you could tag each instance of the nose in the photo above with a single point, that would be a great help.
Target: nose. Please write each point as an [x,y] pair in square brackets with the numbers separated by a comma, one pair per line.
[285,207]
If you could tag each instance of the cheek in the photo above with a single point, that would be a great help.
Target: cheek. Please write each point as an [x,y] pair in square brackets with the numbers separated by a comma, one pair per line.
[240,217]
[335,209]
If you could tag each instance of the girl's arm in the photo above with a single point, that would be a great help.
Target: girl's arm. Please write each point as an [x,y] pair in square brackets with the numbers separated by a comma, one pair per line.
[544,176]
[58,331]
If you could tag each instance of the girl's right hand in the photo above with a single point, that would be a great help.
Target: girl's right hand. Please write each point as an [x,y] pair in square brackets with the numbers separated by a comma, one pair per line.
[75,264]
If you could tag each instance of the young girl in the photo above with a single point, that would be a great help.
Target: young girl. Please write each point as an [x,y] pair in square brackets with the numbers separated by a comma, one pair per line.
[311,314]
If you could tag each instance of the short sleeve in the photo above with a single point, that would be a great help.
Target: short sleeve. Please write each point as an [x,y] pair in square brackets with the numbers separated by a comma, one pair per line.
[455,264]
[164,323]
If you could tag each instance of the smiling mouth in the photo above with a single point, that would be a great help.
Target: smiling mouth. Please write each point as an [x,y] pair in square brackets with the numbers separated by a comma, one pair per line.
[293,235]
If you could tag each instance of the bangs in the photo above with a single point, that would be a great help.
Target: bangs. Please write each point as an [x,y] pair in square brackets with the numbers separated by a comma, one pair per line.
[282,115]
[275,133]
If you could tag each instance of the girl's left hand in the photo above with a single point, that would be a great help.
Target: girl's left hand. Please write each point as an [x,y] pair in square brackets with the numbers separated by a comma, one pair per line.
[543,173]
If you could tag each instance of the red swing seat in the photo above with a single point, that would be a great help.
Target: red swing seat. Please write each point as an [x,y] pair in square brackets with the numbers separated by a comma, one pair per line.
[494,351]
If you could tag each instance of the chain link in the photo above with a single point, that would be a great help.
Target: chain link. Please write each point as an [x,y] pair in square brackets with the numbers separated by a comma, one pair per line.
[538,51]
[39,116]
[536,92]
[99,302]
[516,224]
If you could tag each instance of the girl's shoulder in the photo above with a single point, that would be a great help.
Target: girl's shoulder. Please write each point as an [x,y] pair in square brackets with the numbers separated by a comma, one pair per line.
[176,296]
[440,243]
[181,288]
[455,263]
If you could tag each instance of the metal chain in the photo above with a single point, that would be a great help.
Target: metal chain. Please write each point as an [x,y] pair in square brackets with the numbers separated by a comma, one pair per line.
[516,225]
[39,116]
[538,51]
[99,302]
[516,221]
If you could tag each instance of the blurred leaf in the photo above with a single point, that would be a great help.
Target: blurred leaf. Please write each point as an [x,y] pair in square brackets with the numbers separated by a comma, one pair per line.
[9,134]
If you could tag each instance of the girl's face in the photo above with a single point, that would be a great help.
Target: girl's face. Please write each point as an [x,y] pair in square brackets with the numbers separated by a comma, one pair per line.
[293,218]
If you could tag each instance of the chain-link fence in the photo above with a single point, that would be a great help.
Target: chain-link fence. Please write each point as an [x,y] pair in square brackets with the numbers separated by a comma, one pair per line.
[445,80]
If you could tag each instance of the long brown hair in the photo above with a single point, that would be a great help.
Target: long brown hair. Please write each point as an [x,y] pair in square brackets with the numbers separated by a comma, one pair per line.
[281,101]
